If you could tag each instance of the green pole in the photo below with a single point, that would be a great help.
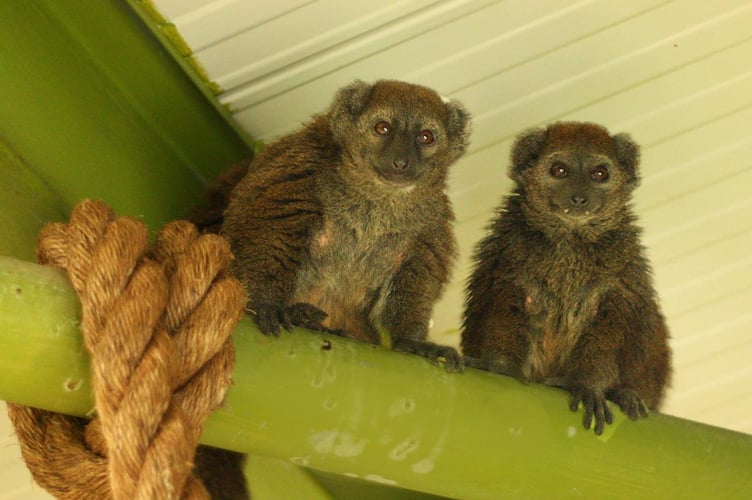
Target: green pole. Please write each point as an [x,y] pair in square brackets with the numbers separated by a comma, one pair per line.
[352,409]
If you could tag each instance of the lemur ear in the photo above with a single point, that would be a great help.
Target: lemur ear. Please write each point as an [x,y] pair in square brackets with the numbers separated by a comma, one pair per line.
[628,155]
[347,105]
[458,127]
[526,150]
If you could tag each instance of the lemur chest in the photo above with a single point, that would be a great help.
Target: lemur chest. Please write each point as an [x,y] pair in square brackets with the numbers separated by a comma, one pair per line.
[558,312]
[345,265]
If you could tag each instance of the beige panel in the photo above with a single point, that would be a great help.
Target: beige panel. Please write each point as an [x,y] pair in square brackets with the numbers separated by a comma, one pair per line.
[15,479]
[601,65]
[218,22]
[301,39]
[308,84]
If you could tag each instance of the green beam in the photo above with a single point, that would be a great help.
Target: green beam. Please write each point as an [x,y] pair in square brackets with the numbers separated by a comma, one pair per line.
[353,409]
[27,203]
[99,109]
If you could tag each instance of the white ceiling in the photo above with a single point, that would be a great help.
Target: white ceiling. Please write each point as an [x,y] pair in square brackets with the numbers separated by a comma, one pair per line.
[674,74]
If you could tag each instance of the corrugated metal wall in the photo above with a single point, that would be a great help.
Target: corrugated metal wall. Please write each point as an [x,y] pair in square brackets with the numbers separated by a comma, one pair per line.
[675,74]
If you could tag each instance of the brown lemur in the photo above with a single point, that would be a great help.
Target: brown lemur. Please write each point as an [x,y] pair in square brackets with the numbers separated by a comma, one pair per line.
[562,292]
[349,214]
[345,225]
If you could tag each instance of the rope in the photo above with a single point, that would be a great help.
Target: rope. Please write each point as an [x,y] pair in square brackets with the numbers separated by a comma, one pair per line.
[156,323]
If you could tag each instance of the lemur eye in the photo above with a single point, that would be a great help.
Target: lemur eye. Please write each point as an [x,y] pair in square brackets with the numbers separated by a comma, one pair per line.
[600,173]
[425,137]
[559,170]
[383,128]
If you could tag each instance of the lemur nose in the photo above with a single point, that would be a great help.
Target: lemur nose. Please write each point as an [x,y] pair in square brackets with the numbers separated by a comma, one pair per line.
[578,201]
[400,164]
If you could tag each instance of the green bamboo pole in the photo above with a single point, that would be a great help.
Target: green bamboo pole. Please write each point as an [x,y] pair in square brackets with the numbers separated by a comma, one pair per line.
[349,408]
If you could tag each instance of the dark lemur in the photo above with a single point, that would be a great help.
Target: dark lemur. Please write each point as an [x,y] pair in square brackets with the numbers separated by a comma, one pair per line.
[345,225]
[562,292]
[361,187]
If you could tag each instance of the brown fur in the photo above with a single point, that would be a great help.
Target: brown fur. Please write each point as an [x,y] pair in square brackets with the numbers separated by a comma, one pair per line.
[208,215]
[341,228]
[221,471]
[562,292]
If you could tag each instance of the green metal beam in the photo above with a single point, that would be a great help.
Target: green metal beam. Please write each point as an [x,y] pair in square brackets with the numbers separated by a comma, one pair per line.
[353,409]
[99,109]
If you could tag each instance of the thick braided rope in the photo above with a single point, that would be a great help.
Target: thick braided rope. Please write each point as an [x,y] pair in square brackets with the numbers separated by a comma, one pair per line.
[157,325]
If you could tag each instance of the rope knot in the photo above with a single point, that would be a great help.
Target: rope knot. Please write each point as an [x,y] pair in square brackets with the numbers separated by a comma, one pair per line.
[157,323]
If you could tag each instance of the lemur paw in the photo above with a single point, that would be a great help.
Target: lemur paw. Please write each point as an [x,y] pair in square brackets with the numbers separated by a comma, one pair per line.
[270,317]
[630,402]
[307,316]
[594,405]
[437,354]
